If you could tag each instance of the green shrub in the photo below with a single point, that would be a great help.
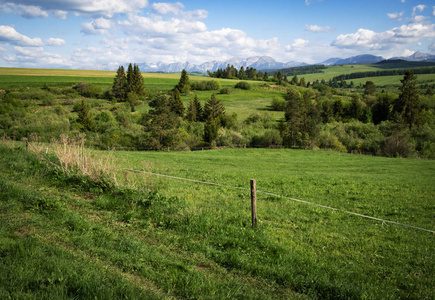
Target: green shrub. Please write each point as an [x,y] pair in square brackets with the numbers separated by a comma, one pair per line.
[269,139]
[327,140]
[88,90]
[228,138]
[226,91]
[206,85]
[278,104]
[243,85]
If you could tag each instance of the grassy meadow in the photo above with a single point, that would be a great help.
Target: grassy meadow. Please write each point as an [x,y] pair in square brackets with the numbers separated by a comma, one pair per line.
[157,237]
[77,223]
[332,71]
[241,102]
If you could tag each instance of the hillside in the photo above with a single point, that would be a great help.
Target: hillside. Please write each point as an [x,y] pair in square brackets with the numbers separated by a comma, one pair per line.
[252,113]
[68,235]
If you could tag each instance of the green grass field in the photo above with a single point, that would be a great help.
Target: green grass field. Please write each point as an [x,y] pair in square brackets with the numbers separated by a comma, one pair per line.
[184,239]
[242,102]
[333,71]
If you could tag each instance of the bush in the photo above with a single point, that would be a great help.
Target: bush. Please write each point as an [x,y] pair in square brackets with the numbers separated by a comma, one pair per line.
[278,104]
[226,91]
[327,140]
[228,138]
[269,139]
[88,90]
[206,85]
[243,85]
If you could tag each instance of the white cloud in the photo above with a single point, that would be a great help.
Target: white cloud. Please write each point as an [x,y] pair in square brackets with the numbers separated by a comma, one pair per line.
[418,19]
[178,10]
[105,8]
[307,2]
[60,14]
[167,8]
[299,43]
[369,39]
[316,28]
[26,11]
[431,47]
[420,8]
[96,27]
[151,27]
[396,16]
[35,57]
[55,42]
[10,35]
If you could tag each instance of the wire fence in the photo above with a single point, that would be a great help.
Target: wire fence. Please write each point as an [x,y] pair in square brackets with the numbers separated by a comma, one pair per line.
[284,197]
[273,195]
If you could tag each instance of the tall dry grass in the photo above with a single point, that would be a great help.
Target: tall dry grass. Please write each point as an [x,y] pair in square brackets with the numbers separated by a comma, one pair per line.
[74,158]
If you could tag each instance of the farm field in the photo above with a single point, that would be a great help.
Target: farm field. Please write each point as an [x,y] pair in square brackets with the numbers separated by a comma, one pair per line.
[181,239]
[332,71]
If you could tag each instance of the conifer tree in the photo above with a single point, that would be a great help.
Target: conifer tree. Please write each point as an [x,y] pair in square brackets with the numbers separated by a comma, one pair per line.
[176,105]
[369,88]
[408,103]
[194,110]
[183,85]
[242,74]
[266,76]
[129,78]
[137,85]
[214,113]
[119,88]
[85,119]
[213,109]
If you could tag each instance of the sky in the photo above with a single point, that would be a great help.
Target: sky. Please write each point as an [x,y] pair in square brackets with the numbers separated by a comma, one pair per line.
[91,34]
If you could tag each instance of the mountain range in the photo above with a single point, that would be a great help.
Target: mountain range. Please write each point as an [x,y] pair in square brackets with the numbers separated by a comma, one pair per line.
[265,63]
[257,62]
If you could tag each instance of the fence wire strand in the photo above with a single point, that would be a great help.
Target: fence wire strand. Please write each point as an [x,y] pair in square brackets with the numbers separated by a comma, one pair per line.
[280,196]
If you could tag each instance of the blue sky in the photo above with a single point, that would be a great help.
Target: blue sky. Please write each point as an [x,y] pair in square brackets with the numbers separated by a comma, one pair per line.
[95,33]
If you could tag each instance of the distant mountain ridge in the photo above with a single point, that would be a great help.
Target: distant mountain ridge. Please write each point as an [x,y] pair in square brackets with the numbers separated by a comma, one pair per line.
[257,62]
[264,63]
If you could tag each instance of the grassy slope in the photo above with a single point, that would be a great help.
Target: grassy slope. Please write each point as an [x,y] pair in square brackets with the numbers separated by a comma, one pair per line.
[200,242]
[62,237]
[332,71]
[241,102]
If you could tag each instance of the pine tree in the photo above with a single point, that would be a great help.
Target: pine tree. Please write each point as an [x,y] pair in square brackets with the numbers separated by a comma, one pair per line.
[242,74]
[130,77]
[266,76]
[84,117]
[137,85]
[175,103]
[199,109]
[213,109]
[183,85]
[408,103]
[214,113]
[194,110]
[369,88]
[119,88]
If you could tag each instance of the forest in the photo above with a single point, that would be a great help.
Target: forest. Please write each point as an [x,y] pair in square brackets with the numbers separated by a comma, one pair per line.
[299,114]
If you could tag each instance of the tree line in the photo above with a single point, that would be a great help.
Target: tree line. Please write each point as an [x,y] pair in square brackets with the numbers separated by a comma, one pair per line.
[230,72]
[392,72]
[310,69]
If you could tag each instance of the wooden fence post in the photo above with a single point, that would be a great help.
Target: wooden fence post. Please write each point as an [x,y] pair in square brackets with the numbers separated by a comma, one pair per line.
[27,145]
[254,202]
